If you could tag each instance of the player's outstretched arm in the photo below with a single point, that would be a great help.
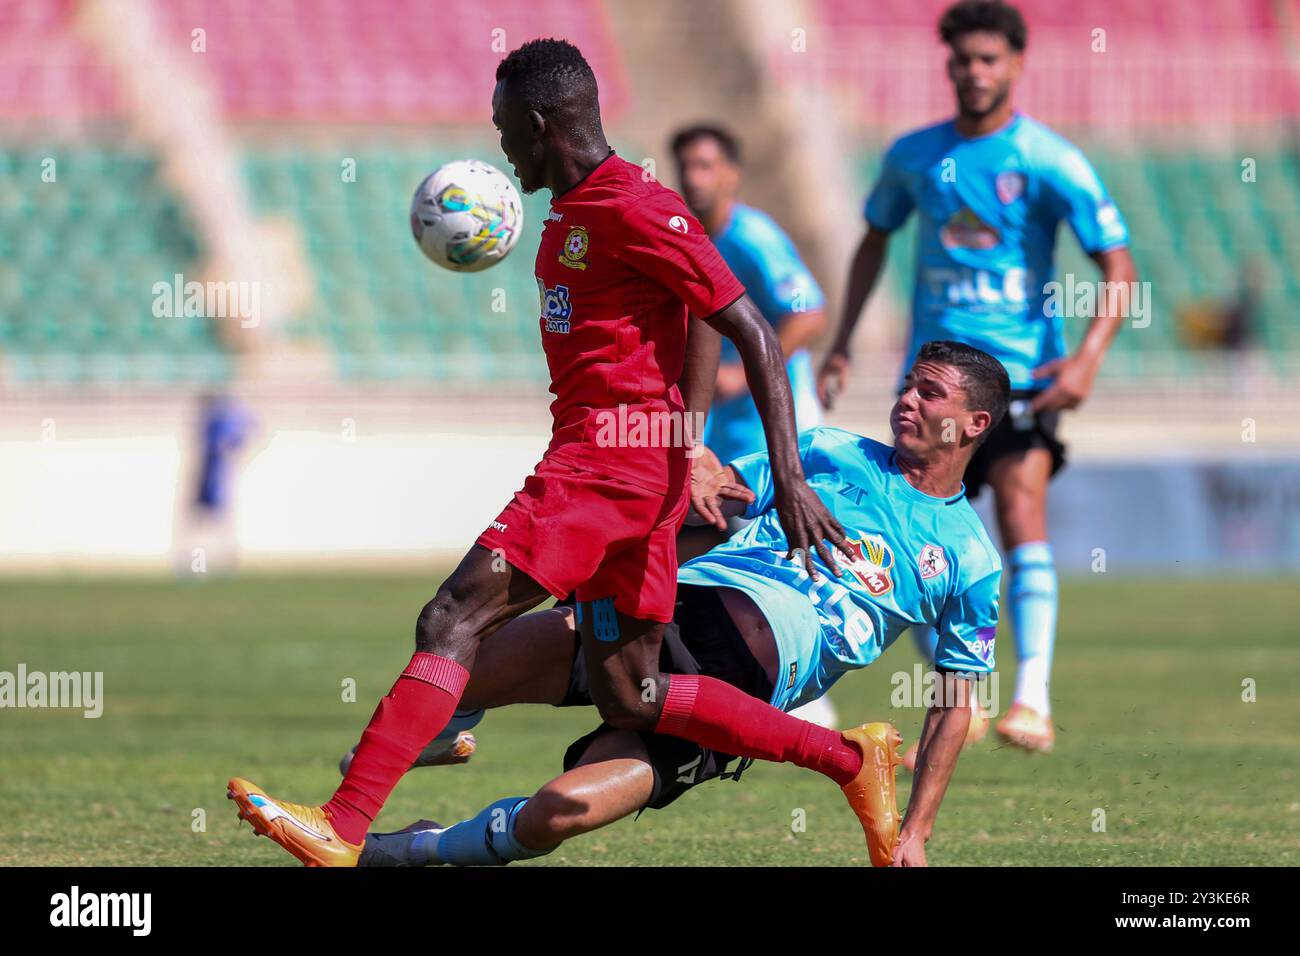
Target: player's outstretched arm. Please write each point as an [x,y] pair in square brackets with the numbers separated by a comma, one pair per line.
[1075,374]
[863,273]
[806,521]
[942,737]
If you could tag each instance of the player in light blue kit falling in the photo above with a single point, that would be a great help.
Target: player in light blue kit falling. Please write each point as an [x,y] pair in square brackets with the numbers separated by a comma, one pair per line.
[990,189]
[747,615]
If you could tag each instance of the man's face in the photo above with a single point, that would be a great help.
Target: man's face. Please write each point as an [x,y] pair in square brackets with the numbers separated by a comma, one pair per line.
[982,67]
[707,176]
[931,417]
[521,138]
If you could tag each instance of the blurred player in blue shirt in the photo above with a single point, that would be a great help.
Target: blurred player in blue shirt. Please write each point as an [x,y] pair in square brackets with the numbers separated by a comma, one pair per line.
[990,189]
[768,266]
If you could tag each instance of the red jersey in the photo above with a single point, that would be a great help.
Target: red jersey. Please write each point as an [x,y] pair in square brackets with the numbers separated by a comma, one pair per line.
[620,263]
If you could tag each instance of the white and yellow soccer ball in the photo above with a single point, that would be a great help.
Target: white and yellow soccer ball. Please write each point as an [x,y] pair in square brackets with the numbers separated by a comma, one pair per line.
[466,215]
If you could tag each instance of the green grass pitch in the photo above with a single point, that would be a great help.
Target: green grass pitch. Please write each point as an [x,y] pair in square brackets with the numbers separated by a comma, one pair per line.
[244,676]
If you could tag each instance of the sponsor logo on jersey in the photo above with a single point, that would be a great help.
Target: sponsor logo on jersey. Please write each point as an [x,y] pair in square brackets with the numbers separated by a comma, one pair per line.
[794,672]
[556,307]
[1010,186]
[982,646]
[575,248]
[554,216]
[931,561]
[965,230]
[678,224]
[872,559]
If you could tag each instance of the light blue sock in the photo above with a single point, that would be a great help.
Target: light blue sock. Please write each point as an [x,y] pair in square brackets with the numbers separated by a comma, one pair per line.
[485,840]
[1032,594]
[926,640]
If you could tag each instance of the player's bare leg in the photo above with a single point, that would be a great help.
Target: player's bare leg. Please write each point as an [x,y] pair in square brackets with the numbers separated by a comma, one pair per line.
[482,594]
[1019,481]
[613,779]
[527,661]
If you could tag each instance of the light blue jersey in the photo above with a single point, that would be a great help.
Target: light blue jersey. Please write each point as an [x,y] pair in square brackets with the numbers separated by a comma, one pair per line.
[768,266]
[989,209]
[922,561]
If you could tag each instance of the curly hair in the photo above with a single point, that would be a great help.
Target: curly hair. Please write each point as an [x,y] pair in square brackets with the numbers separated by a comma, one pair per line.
[984,16]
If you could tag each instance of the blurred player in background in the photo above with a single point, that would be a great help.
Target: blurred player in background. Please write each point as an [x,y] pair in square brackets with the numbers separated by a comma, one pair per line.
[746,616]
[621,266]
[767,264]
[990,188]
[208,543]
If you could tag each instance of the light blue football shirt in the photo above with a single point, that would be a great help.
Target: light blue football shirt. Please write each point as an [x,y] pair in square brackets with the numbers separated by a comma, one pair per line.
[989,209]
[922,561]
[767,264]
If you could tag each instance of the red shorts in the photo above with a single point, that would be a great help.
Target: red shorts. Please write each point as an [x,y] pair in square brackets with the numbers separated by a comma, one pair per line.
[576,532]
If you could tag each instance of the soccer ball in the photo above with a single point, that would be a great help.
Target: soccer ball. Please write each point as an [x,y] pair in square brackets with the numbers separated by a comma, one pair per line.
[466,215]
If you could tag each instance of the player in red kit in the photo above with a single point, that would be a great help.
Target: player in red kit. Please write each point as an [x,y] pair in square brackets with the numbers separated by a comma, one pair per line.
[621,264]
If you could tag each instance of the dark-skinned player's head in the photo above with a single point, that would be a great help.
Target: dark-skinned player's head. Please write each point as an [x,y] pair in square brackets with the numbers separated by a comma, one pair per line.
[986,43]
[708,167]
[545,105]
[953,397]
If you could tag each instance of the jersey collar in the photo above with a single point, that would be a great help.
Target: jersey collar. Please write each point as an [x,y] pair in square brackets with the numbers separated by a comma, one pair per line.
[585,180]
[917,494]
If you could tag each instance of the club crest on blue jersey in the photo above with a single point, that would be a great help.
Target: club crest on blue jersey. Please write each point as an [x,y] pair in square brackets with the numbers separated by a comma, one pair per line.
[1010,186]
[556,307]
[872,559]
[931,562]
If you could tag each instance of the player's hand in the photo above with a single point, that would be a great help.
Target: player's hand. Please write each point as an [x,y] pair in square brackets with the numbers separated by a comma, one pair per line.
[711,484]
[830,380]
[1074,378]
[808,525]
[910,850]
[731,381]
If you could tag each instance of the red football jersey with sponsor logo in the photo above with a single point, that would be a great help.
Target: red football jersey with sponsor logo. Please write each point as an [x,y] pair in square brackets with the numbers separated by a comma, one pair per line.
[620,263]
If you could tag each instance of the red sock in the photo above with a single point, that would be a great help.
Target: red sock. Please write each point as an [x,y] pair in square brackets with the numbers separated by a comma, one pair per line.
[723,718]
[418,706]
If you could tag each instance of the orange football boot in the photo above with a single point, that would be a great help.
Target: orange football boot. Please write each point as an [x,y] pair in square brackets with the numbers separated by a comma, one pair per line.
[871,792]
[306,832]
[1028,729]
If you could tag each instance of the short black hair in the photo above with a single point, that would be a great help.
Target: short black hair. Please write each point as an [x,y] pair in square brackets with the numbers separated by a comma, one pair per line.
[725,139]
[550,76]
[984,16]
[984,379]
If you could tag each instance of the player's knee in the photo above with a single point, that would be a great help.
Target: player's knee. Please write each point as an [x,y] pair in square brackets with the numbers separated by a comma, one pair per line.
[550,818]
[440,627]
[628,707]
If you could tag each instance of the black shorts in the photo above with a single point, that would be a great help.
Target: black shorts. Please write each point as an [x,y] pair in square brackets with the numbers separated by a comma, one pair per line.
[700,639]
[1016,432]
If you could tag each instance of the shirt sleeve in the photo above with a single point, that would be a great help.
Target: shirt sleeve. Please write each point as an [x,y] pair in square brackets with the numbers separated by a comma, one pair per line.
[967,628]
[1077,195]
[662,240]
[890,202]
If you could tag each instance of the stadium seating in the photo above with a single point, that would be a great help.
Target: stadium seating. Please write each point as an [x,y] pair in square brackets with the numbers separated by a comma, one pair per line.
[78,263]
[313,60]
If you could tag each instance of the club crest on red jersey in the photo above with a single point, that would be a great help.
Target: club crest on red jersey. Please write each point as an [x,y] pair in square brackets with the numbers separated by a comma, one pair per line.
[575,248]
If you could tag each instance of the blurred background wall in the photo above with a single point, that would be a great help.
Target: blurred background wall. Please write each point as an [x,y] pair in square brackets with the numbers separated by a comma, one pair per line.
[371,408]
